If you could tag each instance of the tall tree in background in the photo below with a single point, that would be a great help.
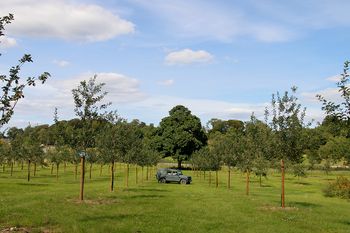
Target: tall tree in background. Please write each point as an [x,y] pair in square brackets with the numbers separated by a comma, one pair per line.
[340,111]
[87,97]
[12,85]
[338,119]
[180,134]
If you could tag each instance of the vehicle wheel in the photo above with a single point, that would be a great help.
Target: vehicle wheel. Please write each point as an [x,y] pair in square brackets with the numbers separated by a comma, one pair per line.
[163,180]
[183,181]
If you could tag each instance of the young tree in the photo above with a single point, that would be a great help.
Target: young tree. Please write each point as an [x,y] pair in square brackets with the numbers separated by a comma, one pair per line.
[15,136]
[107,144]
[229,147]
[287,122]
[5,154]
[92,157]
[129,144]
[87,97]
[56,158]
[180,134]
[258,135]
[206,160]
[32,150]
[12,85]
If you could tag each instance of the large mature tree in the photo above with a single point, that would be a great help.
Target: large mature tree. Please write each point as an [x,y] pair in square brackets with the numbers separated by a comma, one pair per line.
[222,126]
[180,134]
[12,85]
[87,97]
[336,149]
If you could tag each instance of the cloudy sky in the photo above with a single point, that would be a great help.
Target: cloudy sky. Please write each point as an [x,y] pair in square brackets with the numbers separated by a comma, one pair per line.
[219,58]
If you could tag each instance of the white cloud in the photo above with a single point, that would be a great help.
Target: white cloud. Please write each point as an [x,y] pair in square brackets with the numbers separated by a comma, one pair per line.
[157,107]
[167,82]
[211,20]
[7,42]
[61,63]
[335,78]
[40,101]
[188,56]
[314,14]
[65,19]
[331,94]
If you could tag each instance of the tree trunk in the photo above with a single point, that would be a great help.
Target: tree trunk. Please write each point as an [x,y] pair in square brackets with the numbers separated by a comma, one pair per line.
[34,174]
[282,191]
[142,174]
[229,178]
[11,167]
[217,179]
[101,169]
[22,165]
[136,175]
[247,182]
[57,168]
[90,171]
[112,176]
[51,168]
[82,177]
[260,180]
[109,169]
[179,161]
[3,167]
[28,177]
[204,175]
[64,167]
[76,171]
[147,173]
[209,178]
[127,175]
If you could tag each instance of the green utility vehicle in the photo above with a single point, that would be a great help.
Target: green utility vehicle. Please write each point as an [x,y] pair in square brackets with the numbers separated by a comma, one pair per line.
[165,175]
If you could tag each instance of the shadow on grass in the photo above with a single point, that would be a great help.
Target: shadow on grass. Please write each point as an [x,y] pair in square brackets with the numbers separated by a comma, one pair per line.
[265,186]
[302,183]
[33,184]
[303,204]
[345,222]
[145,189]
[144,196]
[115,217]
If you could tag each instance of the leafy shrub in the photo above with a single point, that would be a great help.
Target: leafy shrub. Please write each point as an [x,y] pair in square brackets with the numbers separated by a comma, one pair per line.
[299,170]
[339,188]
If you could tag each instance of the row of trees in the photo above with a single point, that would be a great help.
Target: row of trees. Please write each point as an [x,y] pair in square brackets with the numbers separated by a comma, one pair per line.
[100,136]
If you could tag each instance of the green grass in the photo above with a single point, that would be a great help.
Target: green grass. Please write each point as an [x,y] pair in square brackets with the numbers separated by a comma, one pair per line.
[47,204]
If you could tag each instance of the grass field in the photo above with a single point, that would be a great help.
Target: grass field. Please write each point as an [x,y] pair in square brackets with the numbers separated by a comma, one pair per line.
[47,205]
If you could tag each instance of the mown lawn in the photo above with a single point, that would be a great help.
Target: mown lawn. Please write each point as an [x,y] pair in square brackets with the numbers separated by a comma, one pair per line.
[47,205]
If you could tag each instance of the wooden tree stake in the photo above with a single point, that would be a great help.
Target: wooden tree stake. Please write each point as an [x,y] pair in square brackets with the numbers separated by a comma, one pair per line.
[82,177]
[282,191]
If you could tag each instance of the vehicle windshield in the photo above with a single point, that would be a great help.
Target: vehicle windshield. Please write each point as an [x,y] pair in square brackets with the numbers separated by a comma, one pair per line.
[179,172]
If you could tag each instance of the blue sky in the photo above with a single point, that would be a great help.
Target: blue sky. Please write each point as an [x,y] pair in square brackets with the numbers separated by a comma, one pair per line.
[221,59]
